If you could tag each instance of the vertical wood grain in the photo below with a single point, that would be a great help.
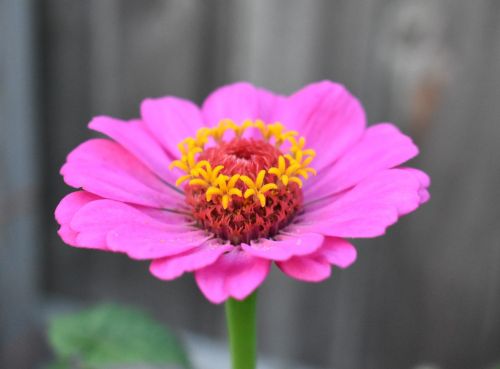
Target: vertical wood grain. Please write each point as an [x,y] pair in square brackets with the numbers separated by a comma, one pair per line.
[19,177]
[429,291]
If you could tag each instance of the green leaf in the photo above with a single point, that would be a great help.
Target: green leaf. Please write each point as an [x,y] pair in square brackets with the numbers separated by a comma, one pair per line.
[111,335]
[58,365]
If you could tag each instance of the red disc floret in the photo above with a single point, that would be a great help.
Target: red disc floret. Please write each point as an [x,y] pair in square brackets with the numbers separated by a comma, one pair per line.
[244,219]
[242,156]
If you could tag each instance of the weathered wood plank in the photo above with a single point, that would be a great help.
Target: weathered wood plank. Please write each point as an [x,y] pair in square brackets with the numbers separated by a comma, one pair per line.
[430,290]
[19,176]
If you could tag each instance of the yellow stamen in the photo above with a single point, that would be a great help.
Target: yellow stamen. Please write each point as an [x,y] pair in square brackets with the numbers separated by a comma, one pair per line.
[192,173]
[279,134]
[299,146]
[276,131]
[239,130]
[224,187]
[300,164]
[218,131]
[202,137]
[265,129]
[290,166]
[188,165]
[182,179]
[287,174]
[206,177]
[258,188]
[187,145]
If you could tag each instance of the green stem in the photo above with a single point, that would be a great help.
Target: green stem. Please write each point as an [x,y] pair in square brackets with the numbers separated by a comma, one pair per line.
[241,319]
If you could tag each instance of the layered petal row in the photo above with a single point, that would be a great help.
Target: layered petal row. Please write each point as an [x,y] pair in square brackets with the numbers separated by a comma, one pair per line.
[126,201]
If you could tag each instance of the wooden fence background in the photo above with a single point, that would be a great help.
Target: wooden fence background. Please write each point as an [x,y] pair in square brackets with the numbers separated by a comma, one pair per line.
[427,292]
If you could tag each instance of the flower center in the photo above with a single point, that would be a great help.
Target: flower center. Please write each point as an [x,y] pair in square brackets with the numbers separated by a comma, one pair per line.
[242,156]
[243,189]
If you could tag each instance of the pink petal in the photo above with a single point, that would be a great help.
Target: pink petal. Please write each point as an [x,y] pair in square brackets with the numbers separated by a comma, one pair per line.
[317,266]
[329,117]
[425,182]
[138,141]
[142,241]
[383,146]
[285,246]
[106,169]
[65,211]
[306,268]
[96,219]
[239,101]
[171,120]
[67,235]
[338,252]
[368,209]
[424,195]
[71,203]
[165,216]
[269,104]
[235,274]
[173,267]
[423,177]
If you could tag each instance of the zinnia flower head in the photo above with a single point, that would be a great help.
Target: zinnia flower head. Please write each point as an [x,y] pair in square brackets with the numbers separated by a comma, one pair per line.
[248,179]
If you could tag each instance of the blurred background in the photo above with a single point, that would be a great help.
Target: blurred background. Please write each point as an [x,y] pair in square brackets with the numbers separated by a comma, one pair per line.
[428,293]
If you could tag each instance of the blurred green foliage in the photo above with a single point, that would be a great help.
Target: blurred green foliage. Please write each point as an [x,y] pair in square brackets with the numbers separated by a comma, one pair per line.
[109,336]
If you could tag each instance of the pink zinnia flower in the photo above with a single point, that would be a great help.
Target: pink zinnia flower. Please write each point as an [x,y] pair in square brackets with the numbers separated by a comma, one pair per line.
[254,178]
